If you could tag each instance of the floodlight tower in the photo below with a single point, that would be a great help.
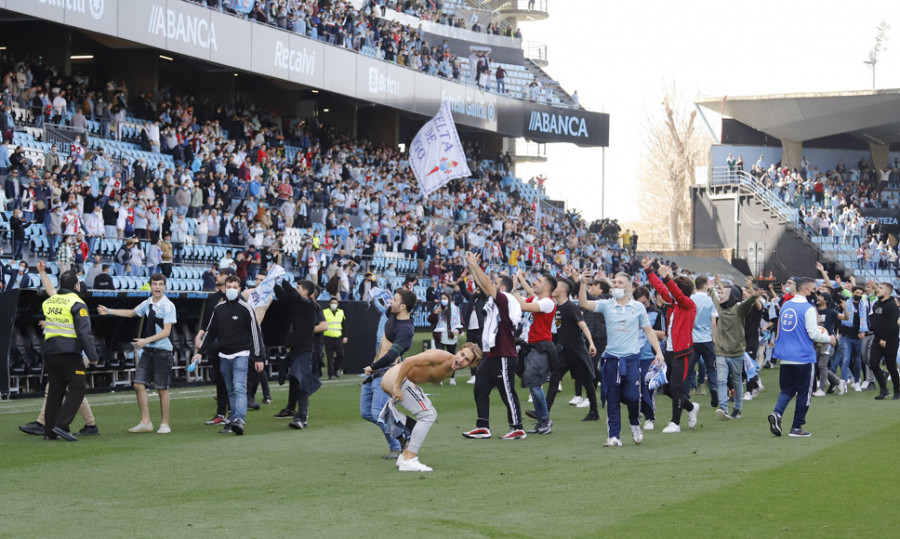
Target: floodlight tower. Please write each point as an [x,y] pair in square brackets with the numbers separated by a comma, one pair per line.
[880,39]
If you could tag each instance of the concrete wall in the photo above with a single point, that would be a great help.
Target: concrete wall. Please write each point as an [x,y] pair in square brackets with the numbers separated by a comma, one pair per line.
[786,253]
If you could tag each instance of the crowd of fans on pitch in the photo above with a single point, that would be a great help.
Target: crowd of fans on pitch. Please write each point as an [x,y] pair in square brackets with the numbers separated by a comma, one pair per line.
[828,203]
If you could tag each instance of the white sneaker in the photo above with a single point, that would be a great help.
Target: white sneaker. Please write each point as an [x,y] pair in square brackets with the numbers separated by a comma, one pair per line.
[576,400]
[530,399]
[864,385]
[400,459]
[818,393]
[141,427]
[453,381]
[748,396]
[163,429]
[413,465]
[842,387]
[692,416]
[636,434]
[585,403]
[856,386]
[471,380]
[722,414]
[671,427]
[559,388]
[613,442]
[648,425]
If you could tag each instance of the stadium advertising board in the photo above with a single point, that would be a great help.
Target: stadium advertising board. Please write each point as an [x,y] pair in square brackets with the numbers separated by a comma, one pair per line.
[287,56]
[554,124]
[384,83]
[888,218]
[96,15]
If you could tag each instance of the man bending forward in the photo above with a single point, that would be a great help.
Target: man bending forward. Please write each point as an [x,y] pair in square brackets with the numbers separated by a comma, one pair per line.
[400,382]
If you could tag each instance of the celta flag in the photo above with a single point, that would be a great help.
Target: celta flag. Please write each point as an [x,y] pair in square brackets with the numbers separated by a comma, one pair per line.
[436,155]
[242,6]
[263,294]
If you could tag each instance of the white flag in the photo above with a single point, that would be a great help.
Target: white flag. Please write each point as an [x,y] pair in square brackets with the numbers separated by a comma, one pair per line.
[263,294]
[436,155]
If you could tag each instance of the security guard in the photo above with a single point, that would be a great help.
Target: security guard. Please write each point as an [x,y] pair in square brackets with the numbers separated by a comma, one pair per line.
[67,331]
[335,338]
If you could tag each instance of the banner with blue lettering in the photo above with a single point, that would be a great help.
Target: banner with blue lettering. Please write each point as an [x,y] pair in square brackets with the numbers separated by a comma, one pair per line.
[242,6]
[436,156]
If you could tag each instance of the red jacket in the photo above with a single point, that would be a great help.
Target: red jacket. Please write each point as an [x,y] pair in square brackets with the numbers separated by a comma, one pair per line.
[684,312]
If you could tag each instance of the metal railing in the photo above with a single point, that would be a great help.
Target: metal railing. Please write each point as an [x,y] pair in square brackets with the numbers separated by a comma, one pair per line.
[524,5]
[727,176]
[535,51]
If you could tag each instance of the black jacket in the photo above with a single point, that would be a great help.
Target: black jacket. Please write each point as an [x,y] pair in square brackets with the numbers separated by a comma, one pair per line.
[234,324]
[303,318]
[883,321]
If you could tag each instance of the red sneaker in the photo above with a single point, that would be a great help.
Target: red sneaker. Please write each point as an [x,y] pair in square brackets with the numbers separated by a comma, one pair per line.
[516,434]
[478,433]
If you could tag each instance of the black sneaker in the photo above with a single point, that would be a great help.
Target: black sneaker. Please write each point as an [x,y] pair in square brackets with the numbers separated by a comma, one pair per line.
[897,395]
[537,427]
[217,420]
[799,433]
[267,400]
[34,428]
[531,414]
[226,430]
[775,424]
[237,427]
[64,434]
[89,430]
[881,395]
[284,414]
[714,398]
[736,414]
[546,427]
[592,416]
[252,404]
[297,424]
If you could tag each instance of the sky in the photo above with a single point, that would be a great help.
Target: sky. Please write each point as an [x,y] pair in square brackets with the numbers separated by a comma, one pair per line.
[620,55]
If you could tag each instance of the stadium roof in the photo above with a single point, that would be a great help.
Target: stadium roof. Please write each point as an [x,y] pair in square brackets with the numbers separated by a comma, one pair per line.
[870,115]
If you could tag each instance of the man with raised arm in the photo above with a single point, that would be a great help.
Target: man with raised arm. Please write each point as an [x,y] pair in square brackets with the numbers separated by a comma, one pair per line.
[498,370]
[620,362]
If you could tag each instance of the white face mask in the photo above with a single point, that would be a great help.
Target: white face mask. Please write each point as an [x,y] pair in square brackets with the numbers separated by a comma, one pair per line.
[231,293]
[334,306]
[444,302]
[617,293]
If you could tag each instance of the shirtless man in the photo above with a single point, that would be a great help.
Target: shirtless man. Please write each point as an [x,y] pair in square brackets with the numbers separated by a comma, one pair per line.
[401,382]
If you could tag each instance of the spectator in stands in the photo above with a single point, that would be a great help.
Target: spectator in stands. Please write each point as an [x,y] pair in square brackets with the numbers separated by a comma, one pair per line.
[104,281]
[137,259]
[17,276]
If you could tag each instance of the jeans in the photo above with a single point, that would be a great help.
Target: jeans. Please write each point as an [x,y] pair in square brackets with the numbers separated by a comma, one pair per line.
[795,381]
[234,372]
[734,366]
[706,351]
[371,401]
[540,403]
[851,348]
[619,387]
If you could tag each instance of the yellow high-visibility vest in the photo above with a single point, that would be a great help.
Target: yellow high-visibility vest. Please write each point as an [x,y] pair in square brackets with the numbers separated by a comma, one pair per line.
[58,315]
[335,321]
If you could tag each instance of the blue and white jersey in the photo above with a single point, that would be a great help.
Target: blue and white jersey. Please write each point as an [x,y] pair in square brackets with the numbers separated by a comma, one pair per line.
[158,314]
[624,324]
[793,343]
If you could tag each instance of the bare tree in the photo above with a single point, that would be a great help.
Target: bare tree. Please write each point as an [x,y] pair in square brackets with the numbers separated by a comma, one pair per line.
[674,145]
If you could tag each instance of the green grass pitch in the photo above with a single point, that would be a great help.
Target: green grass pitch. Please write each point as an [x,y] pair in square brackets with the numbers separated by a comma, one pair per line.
[723,479]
